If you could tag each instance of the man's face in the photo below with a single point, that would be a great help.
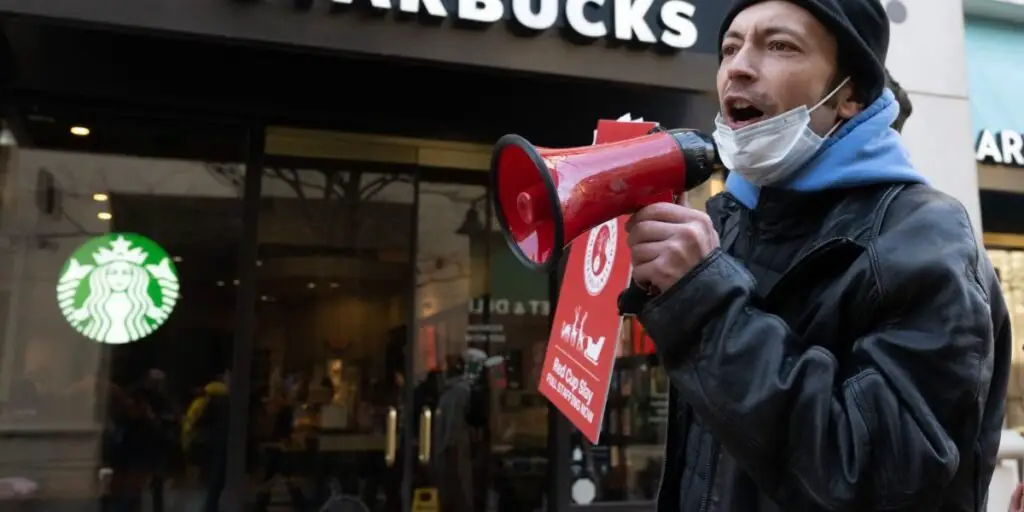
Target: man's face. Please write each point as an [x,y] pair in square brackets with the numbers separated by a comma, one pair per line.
[775,57]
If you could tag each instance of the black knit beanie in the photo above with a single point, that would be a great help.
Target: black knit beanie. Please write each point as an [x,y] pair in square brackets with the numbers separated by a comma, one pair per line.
[861,29]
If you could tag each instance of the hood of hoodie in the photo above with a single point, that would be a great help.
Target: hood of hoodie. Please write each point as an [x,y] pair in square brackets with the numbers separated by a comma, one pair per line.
[864,151]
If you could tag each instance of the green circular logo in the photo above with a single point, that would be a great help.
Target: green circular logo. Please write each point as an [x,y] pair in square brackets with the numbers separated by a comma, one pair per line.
[118,288]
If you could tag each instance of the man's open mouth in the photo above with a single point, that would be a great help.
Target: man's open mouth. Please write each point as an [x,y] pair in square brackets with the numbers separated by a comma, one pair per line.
[742,113]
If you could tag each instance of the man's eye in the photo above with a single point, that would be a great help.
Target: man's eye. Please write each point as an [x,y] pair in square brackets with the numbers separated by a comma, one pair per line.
[729,50]
[780,46]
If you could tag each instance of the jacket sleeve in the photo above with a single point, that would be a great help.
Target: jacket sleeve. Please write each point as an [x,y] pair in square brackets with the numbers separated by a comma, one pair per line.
[867,431]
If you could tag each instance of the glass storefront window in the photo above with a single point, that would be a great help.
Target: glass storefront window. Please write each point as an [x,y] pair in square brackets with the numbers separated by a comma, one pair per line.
[334,279]
[625,465]
[1009,265]
[117,254]
[398,340]
[483,326]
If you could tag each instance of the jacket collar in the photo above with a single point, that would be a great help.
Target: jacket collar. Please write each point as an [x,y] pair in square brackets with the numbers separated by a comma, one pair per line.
[853,214]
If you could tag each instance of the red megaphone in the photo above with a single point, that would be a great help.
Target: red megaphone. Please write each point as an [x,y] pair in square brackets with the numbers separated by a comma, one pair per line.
[545,198]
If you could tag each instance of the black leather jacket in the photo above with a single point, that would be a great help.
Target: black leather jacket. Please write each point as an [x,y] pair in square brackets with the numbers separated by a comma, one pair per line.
[843,350]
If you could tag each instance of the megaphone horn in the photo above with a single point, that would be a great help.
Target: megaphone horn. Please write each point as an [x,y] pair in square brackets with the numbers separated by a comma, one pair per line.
[544,197]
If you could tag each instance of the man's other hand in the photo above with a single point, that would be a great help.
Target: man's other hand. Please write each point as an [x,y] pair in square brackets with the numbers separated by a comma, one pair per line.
[1017,499]
[666,241]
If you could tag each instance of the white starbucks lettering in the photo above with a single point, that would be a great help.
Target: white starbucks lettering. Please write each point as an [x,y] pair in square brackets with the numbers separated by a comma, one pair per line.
[543,18]
[106,290]
[628,19]
[1004,147]
[434,7]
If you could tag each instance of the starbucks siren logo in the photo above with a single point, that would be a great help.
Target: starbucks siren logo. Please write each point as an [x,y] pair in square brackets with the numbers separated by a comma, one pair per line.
[118,288]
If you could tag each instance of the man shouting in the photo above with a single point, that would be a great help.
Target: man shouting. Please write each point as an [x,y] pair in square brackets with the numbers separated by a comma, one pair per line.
[833,332]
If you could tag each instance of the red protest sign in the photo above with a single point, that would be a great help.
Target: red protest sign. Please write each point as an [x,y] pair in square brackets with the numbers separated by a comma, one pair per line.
[581,349]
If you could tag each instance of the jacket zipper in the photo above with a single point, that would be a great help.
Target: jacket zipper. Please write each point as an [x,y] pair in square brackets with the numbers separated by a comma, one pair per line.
[711,467]
[748,252]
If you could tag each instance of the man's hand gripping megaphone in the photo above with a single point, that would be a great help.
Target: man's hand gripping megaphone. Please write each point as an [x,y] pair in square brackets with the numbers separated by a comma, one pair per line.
[666,241]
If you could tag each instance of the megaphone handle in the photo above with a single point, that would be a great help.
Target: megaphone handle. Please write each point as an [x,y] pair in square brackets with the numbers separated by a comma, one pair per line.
[652,291]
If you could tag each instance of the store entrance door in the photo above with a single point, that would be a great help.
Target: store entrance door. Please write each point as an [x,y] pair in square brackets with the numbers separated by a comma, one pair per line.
[399,336]
[331,395]
[482,326]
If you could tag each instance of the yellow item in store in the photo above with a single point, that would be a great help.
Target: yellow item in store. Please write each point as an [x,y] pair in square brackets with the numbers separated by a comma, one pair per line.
[424,499]
[196,409]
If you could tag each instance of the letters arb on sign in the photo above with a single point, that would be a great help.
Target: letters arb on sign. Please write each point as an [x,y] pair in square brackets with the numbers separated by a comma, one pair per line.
[1004,147]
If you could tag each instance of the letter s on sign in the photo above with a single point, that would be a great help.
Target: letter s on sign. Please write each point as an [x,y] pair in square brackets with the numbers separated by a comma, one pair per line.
[680,31]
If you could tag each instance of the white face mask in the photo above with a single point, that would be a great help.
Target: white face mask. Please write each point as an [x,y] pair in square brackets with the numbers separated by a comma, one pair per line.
[770,151]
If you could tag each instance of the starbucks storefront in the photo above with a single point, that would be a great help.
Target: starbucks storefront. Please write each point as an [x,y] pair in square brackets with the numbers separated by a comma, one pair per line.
[244,280]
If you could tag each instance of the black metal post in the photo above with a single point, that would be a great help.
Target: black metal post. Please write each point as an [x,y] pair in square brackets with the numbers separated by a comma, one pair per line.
[408,395]
[245,327]
[559,430]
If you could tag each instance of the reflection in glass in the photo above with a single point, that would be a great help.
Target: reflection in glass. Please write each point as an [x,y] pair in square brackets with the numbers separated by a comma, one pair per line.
[115,336]
[1009,265]
[626,463]
[334,279]
[483,325]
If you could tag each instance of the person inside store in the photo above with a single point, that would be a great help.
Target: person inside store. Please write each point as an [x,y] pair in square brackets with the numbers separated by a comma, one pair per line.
[154,390]
[834,335]
[204,436]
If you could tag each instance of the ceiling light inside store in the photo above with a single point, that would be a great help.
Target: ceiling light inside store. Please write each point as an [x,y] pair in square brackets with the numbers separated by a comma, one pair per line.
[80,131]
[177,259]
[99,197]
[104,216]
[311,286]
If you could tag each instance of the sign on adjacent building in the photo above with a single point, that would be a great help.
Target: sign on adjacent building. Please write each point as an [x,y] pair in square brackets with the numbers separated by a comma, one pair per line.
[1004,147]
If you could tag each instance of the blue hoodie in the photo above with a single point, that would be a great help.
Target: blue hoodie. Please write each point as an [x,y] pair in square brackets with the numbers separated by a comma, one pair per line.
[864,151]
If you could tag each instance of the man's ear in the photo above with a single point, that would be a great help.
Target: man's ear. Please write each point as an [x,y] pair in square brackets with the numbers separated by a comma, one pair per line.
[848,105]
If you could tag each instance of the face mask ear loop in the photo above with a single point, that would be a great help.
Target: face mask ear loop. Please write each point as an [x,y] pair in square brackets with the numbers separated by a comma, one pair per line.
[826,98]
[833,129]
[833,93]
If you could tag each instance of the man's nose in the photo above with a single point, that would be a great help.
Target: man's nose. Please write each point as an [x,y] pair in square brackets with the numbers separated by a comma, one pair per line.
[741,67]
